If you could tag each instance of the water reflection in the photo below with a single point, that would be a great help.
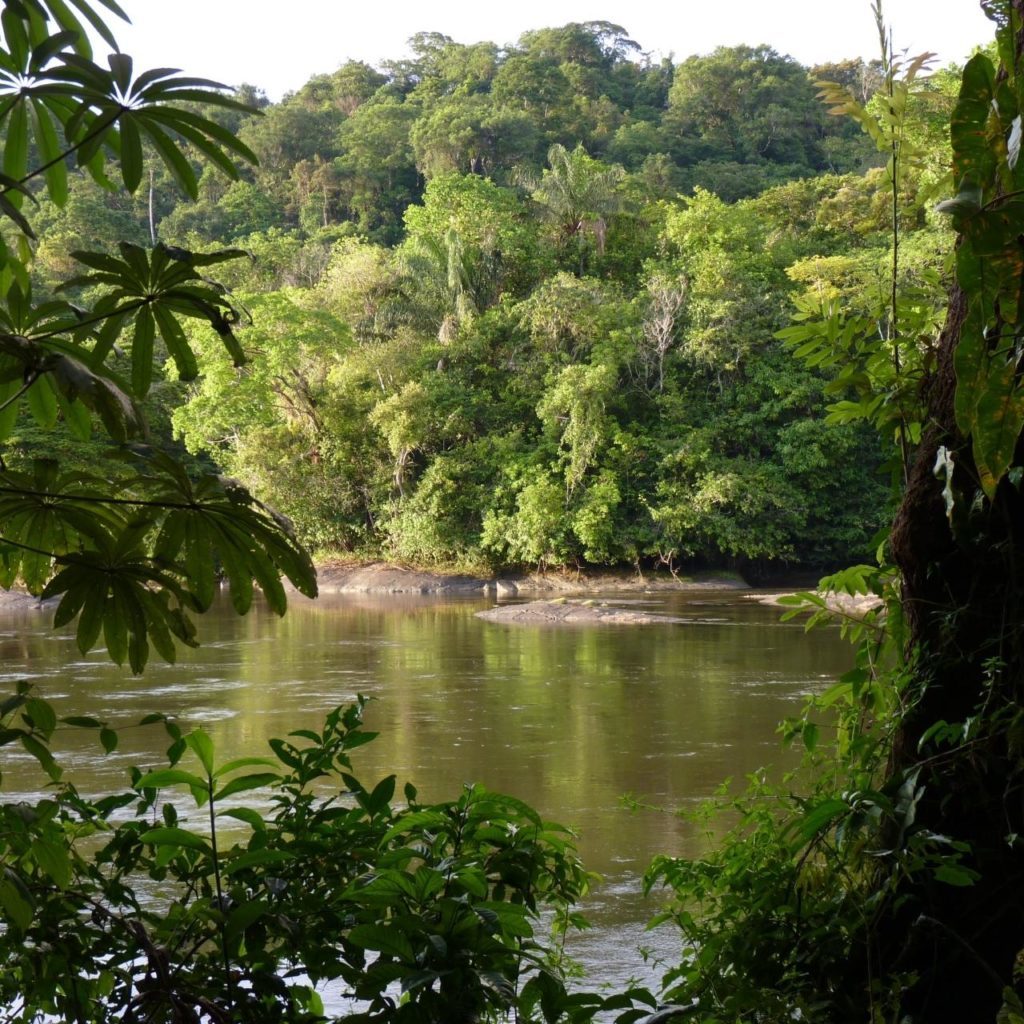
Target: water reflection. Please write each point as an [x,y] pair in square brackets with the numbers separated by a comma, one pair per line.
[569,719]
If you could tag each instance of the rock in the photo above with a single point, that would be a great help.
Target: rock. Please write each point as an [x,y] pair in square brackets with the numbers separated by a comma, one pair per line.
[20,600]
[565,612]
[379,578]
[337,577]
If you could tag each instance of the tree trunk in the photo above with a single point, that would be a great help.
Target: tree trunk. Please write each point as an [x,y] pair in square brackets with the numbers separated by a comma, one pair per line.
[965,616]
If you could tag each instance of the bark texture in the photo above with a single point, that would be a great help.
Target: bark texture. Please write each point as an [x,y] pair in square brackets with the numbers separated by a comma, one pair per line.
[962,602]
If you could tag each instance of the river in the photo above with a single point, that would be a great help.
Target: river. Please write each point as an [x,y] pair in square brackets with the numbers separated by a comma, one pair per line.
[575,720]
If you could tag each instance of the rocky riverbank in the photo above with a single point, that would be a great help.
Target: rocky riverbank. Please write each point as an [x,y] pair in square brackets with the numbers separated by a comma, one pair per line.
[383,578]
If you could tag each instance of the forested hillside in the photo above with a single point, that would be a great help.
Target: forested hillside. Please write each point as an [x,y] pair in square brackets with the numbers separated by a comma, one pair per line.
[518,306]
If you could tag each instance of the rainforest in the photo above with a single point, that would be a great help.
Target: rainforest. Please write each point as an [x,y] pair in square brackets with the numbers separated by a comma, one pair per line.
[551,307]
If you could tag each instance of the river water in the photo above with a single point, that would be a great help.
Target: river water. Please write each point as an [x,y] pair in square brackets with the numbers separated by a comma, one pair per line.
[581,722]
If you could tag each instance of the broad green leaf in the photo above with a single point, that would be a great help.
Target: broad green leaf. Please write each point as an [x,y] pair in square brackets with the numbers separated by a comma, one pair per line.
[175,837]
[390,941]
[998,424]
[41,712]
[42,402]
[15,904]
[255,858]
[142,351]
[955,874]
[51,855]
[244,762]
[242,916]
[258,780]
[252,818]
[818,817]
[970,363]
[202,746]
[131,152]
[50,152]
[16,142]
[973,157]
[90,622]
[115,632]
[43,756]
[169,777]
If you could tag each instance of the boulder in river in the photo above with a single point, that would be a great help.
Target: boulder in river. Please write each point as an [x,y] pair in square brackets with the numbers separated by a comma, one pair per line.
[564,612]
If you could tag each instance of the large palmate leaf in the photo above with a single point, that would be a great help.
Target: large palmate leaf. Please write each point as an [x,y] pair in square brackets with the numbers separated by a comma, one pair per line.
[130,553]
[147,290]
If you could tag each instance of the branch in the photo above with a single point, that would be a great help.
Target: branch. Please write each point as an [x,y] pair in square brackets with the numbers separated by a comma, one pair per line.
[33,377]
[92,499]
[91,320]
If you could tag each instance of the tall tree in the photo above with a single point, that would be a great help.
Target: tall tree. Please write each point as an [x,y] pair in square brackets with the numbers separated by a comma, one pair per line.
[578,196]
[746,104]
[958,539]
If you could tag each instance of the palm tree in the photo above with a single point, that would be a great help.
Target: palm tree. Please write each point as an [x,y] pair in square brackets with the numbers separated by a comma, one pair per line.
[578,195]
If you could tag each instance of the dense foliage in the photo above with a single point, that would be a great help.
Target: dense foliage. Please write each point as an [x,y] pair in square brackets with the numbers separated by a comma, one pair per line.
[891,891]
[516,307]
[135,907]
[498,343]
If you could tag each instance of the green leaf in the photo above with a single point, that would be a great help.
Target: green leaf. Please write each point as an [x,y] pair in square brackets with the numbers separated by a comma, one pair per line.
[256,859]
[179,167]
[257,780]
[973,157]
[82,722]
[252,818]
[42,403]
[163,777]
[998,424]
[242,917]
[42,754]
[387,940]
[16,142]
[175,837]
[244,762]
[142,351]
[15,904]
[49,152]
[970,363]
[41,714]
[955,874]
[818,817]
[115,632]
[90,621]
[202,746]
[51,855]
[177,344]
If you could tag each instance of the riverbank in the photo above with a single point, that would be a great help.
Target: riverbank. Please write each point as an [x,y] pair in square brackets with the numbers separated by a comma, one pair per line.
[336,577]
[17,600]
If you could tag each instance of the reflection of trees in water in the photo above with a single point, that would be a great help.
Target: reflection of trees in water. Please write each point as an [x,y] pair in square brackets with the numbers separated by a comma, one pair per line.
[568,719]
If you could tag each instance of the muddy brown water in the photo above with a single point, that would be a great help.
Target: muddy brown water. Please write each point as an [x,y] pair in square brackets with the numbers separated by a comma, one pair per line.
[574,720]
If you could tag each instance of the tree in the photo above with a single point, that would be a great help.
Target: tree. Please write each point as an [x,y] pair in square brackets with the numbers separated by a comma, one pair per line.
[377,165]
[747,105]
[957,539]
[131,555]
[578,195]
[907,862]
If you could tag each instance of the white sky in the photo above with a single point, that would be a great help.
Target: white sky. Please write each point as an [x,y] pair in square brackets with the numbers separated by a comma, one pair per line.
[278,46]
